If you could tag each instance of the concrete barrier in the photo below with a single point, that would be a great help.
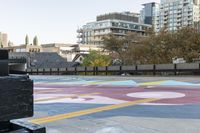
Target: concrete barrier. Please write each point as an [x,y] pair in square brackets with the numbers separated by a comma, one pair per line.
[71,69]
[165,67]
[139,68]
[28,70]
[113,68]
[187,66]
[54,69]
[80,69]
[34,70]
[47,69]
[40,70]
[62,69]
[102,69]
[145,67]
[16,96]
[128,68]
[90,69]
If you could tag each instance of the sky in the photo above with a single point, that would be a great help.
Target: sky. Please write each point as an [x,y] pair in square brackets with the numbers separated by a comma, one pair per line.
[56,21]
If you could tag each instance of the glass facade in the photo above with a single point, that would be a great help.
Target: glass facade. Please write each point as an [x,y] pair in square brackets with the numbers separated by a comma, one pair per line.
[148,13]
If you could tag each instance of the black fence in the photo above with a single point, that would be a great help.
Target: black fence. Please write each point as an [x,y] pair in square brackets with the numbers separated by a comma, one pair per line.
[168,69]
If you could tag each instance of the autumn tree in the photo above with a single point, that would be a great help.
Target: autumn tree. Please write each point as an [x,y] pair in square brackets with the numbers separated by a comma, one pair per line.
[114,44]
[95,58]
[156,48]
[120,45]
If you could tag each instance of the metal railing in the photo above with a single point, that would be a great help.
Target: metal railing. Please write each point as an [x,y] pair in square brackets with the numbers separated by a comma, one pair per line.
[191,68]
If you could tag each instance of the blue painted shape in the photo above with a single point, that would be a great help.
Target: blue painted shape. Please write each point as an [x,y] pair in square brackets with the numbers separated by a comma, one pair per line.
[121,83]
[173,111]
[64,80]
[157,111]
[176,83]
[63,108]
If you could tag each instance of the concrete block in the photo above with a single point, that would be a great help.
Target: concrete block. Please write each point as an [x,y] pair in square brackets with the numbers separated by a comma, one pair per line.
[20,131]
[101,68]
[54,69]
[145,67]
[165,67]
[80,69]
[4,69]
[33,128]
[128,68]
[90,68]
[3,54]
[71,69]
[114,68]
[62,69]
[188,66]
[16,97]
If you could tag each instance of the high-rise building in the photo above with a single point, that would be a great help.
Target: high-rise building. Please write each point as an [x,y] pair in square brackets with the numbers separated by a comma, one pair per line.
[118,24]
[149,12]
[175,14]
[3,40]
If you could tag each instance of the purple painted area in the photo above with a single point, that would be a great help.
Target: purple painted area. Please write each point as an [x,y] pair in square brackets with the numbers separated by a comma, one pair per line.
[192,95]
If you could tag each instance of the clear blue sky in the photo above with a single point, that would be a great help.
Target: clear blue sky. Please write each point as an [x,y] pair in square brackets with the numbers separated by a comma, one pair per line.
[55,20]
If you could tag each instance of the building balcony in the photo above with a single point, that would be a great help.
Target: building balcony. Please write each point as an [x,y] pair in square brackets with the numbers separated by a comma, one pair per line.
[179,20]
[165,17]
[186,1]
[79,31]
[178,24]
[190,10]
[79,36]
[179,16]
[190,19]
[190,14]
[119,33]
[166,14]
[179,11]
[165,22]
[101,33]
[80,41]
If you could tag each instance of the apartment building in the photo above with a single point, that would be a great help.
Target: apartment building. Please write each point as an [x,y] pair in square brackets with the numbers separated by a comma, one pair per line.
[149,12]
[118,24]
[175,14]
[3,39]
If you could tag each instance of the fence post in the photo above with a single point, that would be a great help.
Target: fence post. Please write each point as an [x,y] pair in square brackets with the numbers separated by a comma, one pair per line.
[43,71]
[85,70]
[58,71]
[37,72]
[120,69]
[154,69]
[136,69]
[66,70]
[50,71]
[199,67]
[97,71]
[106,70]
[75,71]
[93,70]
[175,69]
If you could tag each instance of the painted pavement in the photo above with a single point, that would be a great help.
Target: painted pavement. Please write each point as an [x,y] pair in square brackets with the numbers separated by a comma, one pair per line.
[93,98]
